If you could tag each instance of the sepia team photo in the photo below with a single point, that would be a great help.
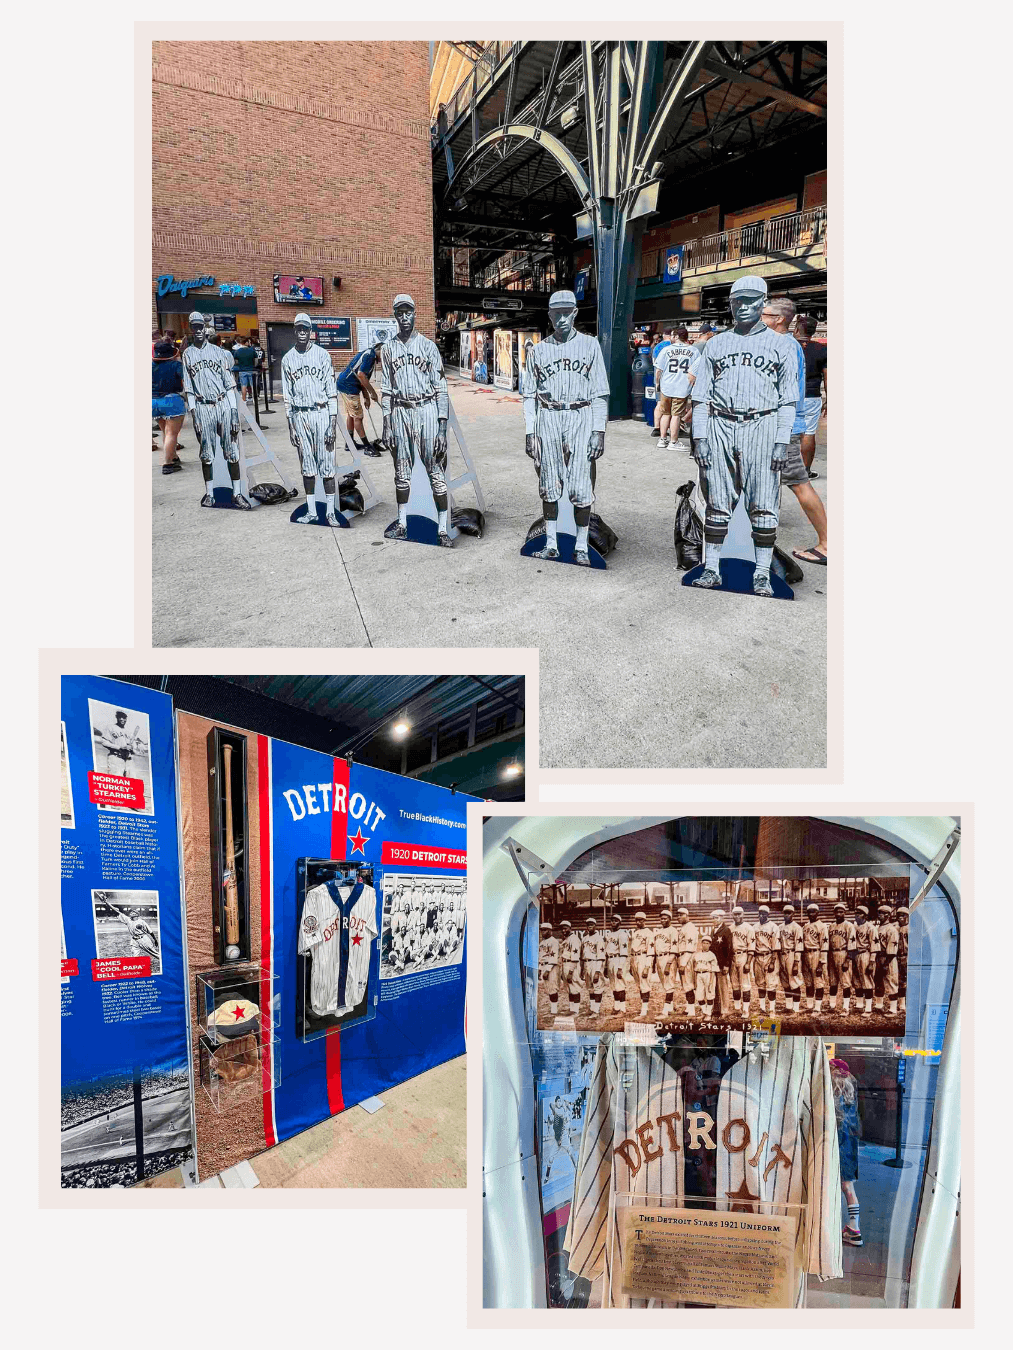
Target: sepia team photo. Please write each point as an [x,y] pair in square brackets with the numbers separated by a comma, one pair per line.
[822,957]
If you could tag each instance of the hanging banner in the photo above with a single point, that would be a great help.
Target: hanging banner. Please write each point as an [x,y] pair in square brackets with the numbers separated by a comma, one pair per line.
[125,1103]
[673,264]
[408,841]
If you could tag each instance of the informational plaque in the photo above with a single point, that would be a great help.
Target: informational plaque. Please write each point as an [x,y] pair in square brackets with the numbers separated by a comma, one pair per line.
[722,1258]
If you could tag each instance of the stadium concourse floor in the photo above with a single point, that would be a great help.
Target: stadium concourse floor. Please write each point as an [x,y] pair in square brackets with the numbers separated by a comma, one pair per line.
[416,1139]
[636,671]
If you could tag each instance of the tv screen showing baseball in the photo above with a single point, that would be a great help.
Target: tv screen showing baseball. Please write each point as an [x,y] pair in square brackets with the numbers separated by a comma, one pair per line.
[825,955]
[298,290]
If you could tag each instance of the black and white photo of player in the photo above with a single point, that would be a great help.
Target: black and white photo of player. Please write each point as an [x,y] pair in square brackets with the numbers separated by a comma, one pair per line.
[822,955]
[66,792]
[126,924]
[422,926]
[99,1141]
[121,746]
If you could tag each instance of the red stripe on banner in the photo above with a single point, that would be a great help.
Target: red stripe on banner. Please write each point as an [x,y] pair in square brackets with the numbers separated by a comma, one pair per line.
[264,793]
[335,1097]
[339,809]
[556,1219]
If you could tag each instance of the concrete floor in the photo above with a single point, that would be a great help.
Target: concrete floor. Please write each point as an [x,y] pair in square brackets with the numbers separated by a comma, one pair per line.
[636,670]
[417,1139]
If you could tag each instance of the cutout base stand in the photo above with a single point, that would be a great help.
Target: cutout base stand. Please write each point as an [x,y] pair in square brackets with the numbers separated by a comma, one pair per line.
[223,496]
[422,514]
[738,562]
[566,541]
[299,514]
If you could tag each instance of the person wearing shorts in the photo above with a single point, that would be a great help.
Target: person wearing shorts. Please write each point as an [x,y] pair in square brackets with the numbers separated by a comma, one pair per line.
[353,385]
[813,406]
[777,315]
[674,372]
[167,405]
[246,364]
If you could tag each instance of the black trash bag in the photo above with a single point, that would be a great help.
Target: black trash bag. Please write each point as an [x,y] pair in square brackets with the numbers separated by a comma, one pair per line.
[786,566]
[688,530]
[349,480]
[601,537]
[270,494]
[469,520]
[350,499]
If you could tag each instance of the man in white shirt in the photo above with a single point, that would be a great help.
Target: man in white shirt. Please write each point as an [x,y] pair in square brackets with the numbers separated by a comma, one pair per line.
[673,366]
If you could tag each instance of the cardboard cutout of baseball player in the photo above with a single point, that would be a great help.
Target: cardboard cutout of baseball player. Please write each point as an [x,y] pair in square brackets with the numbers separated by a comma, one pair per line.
[209,387]
[565,391]
[744,401]
[311,406]
[413,391]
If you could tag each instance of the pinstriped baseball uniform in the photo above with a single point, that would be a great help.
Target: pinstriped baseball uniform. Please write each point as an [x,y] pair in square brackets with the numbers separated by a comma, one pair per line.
[741,374]
[565,372]
[311,400]
[413,391]
[210,389]
[814,954]
[336,930]
[774,1140]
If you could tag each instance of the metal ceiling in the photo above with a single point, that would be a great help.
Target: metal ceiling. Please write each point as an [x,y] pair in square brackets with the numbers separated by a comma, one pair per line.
[366,703]
[746,97]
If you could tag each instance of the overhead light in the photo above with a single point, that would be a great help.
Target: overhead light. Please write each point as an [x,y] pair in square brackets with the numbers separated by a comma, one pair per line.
[511,771]
[569,115]
[401,727]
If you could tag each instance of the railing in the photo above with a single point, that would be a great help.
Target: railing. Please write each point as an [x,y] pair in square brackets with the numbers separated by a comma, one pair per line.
[473,84]
[764,239]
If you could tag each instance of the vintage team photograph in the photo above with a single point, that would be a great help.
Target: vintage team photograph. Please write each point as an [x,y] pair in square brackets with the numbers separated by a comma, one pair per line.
[423,923]
[126,924]
[824,955]
[66,791]
[121,745]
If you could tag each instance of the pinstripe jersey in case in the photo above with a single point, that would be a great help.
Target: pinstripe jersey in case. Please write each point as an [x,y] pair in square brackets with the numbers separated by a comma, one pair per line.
[744,373]
[413,371]
[774,1140]
[336,929]
[565,372]
[311,400]
[210,389]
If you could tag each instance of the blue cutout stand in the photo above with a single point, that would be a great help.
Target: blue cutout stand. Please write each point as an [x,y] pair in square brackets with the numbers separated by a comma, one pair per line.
[738,561]
[300,514]
[422,518]
[566,540]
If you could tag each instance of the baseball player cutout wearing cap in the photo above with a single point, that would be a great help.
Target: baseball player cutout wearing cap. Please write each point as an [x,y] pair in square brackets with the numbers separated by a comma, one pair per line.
[413,392]
[887,973]
[548,966]
[209,387]
[617,957]
[705,964]
[565,393]
[863,963]
[311,406]
[743,408]
[569,954]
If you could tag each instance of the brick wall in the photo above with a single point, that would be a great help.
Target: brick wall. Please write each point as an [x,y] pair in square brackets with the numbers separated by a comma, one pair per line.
[295,157]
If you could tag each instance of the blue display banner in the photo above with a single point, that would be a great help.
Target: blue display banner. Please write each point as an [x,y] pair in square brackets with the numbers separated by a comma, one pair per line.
[315,806]
[125,1103]
[673,264]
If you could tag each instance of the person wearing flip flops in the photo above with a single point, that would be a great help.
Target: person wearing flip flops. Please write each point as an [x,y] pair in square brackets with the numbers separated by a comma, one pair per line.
[777,315]
[849,1130]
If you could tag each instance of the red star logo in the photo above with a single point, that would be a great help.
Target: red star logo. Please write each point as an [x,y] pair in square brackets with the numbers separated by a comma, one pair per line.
[356,940]
[239,1014]
[358,840]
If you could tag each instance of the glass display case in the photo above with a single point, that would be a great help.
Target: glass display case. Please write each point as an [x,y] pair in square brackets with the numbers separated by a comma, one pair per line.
[721,1051]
